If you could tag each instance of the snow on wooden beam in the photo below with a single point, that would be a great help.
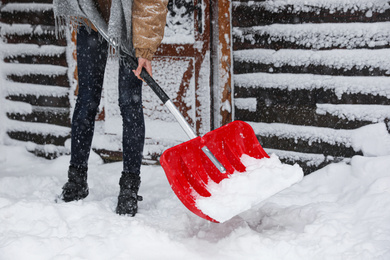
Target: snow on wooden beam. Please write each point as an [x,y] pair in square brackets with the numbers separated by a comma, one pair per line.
[313,36]
[338,84]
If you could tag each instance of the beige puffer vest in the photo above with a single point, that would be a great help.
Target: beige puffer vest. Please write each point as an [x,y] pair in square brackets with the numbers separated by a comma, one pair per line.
[149,18]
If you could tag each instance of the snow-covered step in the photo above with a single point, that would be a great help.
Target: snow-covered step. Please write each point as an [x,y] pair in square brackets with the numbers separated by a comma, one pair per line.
[313,36]
[48,151]
[22,111]
[19,6]
[35,77]
[55,80]
[28,69]
[52,116]
[31,34]
[14,88]
[59,60]
[41,100]
[37,74]
[37,128]
[35,54]
[27,13]
[330,62]
[254,13]
[36,94]
[39,133]
[27,1]
[12,50]
[26,29]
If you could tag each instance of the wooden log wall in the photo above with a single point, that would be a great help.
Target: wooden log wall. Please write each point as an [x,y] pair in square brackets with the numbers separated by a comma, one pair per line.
[35,77]
[307,75]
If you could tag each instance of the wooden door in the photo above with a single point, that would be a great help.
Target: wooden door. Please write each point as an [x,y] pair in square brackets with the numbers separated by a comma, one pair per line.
[187,66]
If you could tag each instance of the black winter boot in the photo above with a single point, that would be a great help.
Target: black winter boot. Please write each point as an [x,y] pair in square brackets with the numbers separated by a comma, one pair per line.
[76,188]
[128,195]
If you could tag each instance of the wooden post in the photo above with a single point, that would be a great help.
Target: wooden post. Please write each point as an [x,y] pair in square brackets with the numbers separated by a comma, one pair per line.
[201,48]
[221,62]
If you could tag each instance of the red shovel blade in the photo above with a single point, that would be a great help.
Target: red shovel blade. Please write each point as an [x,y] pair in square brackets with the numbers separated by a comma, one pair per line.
[189,170]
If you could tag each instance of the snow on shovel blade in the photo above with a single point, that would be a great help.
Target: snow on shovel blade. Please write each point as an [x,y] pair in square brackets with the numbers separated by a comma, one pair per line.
[189,170]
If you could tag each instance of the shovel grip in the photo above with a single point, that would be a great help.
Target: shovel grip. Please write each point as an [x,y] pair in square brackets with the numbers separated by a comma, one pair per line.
[154,86]
[132,63]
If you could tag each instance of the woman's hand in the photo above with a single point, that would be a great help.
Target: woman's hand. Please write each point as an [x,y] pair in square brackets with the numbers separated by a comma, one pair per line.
[143,63]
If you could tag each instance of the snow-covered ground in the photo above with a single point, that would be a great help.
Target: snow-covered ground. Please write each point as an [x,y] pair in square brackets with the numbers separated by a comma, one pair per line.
[339,212]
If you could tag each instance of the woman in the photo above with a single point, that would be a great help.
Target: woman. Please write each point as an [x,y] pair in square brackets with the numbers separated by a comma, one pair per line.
[140,25]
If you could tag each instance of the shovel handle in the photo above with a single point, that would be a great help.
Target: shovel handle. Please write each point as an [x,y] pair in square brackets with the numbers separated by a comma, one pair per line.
[132,62]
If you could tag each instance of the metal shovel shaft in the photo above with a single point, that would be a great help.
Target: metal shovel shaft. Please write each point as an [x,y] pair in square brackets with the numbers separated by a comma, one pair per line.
[191,134]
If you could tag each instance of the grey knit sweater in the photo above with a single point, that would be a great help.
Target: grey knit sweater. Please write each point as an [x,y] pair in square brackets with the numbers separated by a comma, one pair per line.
[118,28]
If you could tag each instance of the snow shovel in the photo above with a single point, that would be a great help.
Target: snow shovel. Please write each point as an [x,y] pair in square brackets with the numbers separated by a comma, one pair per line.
[191,165]
[189,170]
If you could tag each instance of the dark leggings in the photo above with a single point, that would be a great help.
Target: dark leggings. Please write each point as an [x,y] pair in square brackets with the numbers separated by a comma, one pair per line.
[92,55]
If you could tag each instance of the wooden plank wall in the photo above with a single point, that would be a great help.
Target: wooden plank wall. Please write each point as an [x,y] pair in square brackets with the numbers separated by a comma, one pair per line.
[36,80]
[307,75]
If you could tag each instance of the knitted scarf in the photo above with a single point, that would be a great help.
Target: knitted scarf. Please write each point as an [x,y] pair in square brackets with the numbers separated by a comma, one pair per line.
[75,11]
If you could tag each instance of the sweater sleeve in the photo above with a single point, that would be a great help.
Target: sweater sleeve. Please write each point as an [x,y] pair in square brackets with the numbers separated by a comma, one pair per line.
[149,19]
